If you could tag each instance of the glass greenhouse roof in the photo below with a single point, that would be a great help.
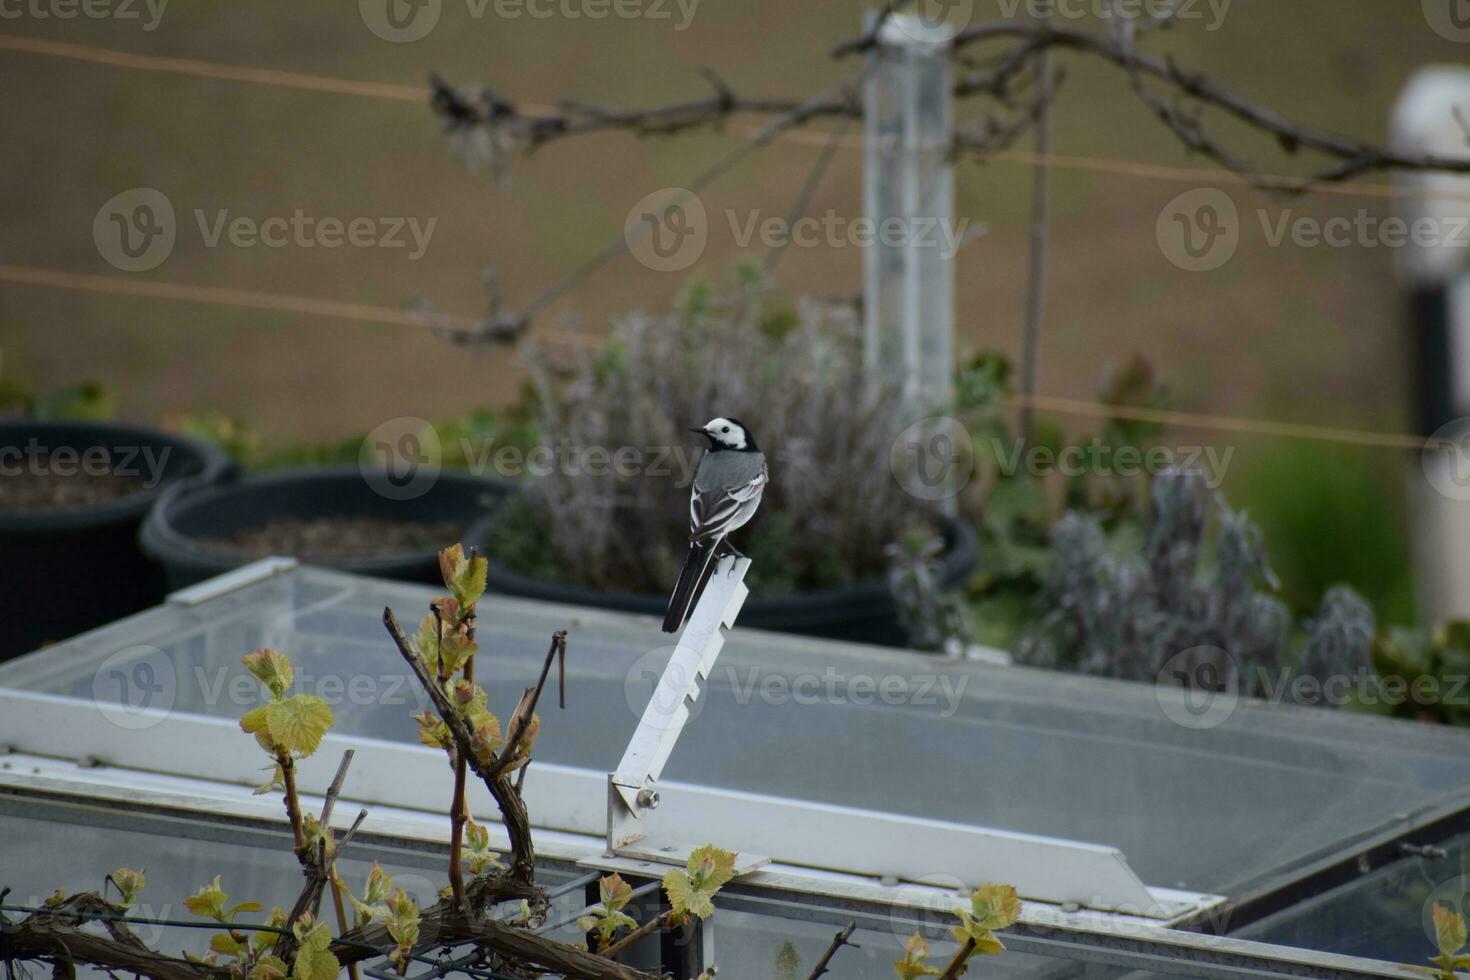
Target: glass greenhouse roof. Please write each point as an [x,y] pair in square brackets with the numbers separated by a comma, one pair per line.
[816,751]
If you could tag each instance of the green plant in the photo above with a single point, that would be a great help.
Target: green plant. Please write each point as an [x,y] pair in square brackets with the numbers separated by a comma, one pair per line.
[992,907]
[1013,508]
[86,400]
[1197,581]
[1305,497]
[1423,673]
[1450,938]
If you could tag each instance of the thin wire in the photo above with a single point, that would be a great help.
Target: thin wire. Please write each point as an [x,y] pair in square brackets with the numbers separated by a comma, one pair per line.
[174,923]
[242,927]
[615,246]
[217,71]
[254,299]
[1225,423]
[804,196]
[1066,406]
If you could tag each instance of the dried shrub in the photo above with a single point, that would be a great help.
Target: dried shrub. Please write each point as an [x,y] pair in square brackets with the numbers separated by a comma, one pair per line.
[794,377]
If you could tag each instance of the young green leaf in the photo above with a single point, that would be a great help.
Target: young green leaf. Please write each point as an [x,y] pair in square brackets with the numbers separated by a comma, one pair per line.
[209,901]
[271,669]
[269,968]
[255,720]
[128,884]
[277,781]
[991,907]
[690,890]
[684,898]
[1449,930]
[452,640]
[711,867]
[463,576]
[379,885]
[485,736]
[298,723]
[913,965]
[606,919]
[314,957]
[316,834]
[468,697]
[476,851]
[432,730]
[1450,937]
[403,926]
[224,944]
[995,906]
[262,941]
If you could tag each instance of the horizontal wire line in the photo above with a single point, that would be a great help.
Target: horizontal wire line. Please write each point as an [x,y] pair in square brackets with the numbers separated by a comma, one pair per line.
[254,299]
[214,70]
[410,93]
[1226,423]
[376,314]
[57,279]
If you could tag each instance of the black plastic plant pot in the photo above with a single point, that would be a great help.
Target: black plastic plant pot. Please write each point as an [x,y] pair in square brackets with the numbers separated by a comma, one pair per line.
[197,533]
[861,613]
[72,499]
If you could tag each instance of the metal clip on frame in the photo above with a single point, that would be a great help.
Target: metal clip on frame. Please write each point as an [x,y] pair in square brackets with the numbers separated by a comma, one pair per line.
[632,790]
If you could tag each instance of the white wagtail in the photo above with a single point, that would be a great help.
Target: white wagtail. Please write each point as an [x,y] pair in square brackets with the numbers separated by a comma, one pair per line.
[727,490]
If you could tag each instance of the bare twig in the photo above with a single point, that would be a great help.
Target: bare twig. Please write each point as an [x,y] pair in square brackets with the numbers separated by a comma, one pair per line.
[512,807]
[843,938]
[334,789]
[468,108]
[317,867]
[55,941]
[959,964]
[661,921]
[459,811]
[1352,156]
[293,803]
[448,927]
[526,707]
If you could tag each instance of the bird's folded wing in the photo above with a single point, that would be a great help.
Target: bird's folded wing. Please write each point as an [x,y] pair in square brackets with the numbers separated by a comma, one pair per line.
[714,510]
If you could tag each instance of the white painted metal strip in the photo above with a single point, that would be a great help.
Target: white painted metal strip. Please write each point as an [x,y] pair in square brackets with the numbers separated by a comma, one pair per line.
[562,798]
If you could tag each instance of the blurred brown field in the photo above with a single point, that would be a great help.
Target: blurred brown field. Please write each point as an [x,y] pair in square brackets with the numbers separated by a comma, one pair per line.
[1311,335]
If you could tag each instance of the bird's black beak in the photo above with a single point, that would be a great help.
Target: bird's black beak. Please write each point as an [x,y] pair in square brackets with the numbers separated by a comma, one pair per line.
[701,431]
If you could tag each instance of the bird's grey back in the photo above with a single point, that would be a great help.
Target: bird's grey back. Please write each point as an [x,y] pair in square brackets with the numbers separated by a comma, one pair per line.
[728,469]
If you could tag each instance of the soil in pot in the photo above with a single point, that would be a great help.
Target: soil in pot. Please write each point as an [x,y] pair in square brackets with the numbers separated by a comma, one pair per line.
[78,491]
[336,537]
[43,485]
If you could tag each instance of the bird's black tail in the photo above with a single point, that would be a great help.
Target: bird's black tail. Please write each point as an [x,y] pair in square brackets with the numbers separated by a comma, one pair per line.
[692,580]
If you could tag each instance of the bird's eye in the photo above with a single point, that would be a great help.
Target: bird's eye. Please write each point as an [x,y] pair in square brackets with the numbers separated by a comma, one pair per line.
[725,429]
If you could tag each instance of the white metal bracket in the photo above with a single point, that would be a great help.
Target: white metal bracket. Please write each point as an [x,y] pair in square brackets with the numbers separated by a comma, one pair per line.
[633,788]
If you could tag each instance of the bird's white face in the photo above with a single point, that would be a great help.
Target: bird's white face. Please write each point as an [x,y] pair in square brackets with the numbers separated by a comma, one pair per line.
[726,433]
